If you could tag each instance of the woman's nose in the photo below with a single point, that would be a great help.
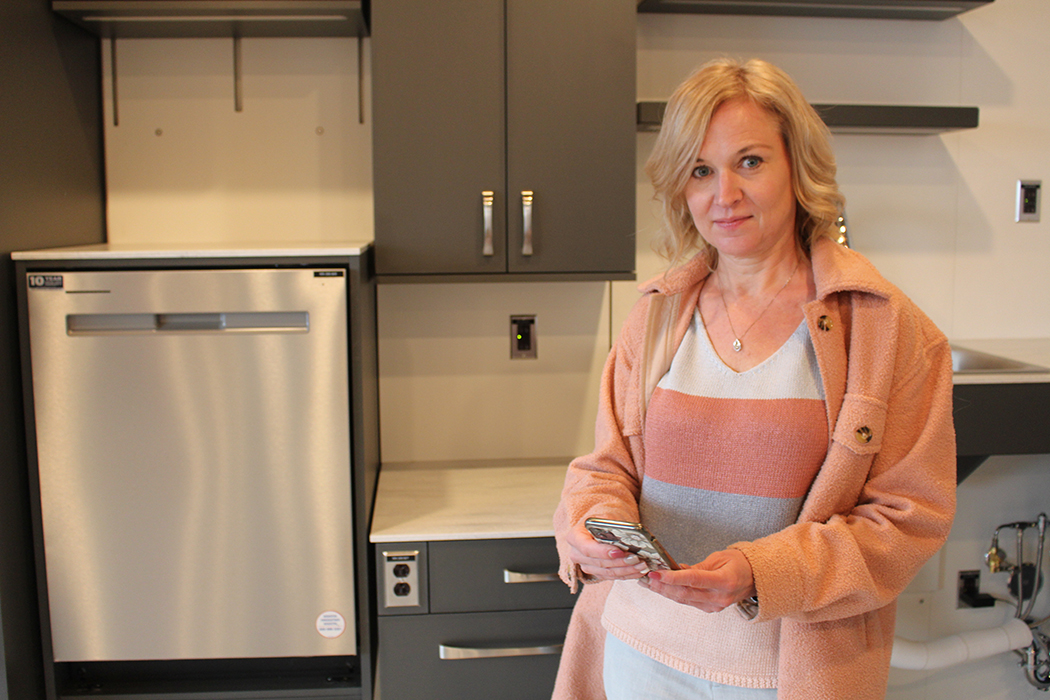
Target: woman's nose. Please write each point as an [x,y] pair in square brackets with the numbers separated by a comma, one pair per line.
[729,192]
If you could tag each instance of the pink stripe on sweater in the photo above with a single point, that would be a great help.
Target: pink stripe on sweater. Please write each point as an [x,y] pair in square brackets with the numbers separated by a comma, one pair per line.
[751,447]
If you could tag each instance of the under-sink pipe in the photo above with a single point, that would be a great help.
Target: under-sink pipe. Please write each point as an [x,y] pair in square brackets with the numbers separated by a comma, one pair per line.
[960,648]
[1040,525]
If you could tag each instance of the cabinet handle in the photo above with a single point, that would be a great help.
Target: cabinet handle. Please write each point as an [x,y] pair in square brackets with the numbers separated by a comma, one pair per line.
[526,215]
[519,577]
[486,211]
[448,652]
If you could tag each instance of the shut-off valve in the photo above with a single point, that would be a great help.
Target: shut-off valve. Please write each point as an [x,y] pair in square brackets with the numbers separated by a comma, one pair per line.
[1026,580]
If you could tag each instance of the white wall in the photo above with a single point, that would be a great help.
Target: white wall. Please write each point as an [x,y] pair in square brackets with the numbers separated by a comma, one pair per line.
[935,213]
[183,165]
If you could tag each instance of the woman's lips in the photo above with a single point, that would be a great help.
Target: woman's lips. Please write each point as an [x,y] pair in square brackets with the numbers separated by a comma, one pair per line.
[731,222]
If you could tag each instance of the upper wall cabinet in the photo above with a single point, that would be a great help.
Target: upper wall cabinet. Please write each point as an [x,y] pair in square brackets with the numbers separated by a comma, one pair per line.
[503,139]
[217,18]
[871,9]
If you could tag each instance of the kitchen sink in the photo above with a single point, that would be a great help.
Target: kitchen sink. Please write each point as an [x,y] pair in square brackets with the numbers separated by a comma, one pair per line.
[967,361]
[1004,416]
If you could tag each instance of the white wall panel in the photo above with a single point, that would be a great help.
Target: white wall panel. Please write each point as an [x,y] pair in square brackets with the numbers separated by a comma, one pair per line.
[449,390]
[182,164]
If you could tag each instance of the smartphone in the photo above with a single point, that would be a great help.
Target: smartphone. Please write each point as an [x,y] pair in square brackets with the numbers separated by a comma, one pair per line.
[633,538]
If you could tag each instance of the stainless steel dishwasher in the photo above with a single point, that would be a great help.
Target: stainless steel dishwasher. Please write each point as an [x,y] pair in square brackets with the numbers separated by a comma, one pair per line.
[194,458]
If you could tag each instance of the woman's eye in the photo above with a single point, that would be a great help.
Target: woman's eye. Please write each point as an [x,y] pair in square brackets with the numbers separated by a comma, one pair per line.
[701,171]
[751,162]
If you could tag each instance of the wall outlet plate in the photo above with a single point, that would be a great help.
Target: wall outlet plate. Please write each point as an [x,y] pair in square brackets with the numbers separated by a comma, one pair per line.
[523,337]
[1029,200]
[969,595]
[401,578]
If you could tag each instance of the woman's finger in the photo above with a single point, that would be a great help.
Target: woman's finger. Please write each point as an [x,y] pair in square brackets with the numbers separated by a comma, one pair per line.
[601,560]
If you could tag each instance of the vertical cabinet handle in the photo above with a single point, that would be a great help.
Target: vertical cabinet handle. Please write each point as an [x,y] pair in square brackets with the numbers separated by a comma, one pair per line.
[526,214]
[487,198]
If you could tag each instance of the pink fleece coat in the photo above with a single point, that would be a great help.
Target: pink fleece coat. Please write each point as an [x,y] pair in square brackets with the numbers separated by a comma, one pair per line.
[880,506]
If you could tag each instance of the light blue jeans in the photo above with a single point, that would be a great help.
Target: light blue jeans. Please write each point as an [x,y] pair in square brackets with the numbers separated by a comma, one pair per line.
[631,675]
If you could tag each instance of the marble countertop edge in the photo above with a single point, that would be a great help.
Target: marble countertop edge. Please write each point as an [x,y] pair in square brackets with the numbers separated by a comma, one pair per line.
[196,249]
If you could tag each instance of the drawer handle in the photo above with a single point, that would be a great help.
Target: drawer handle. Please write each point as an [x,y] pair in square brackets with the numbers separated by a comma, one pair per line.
[448,652]
[487,198]
[519,577]
[526,215]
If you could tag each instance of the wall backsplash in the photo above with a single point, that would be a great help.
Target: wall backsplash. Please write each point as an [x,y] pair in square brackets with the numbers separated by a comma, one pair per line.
[449,389]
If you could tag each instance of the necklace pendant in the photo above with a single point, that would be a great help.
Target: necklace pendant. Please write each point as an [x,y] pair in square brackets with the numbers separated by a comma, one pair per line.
[737,345]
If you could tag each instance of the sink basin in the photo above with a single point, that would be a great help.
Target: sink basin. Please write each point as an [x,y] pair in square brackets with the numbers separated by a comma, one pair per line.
[966,361]
[1008,414]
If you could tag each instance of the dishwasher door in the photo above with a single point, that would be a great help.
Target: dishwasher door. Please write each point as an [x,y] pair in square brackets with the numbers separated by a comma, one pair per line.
[193,451]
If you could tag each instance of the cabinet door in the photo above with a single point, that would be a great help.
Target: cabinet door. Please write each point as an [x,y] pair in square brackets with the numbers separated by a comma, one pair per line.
[515,574]
[571,134]
[471,656]
[438,135]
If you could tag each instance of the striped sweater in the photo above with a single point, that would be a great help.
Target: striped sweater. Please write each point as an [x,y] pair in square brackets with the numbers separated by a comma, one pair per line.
[730,457]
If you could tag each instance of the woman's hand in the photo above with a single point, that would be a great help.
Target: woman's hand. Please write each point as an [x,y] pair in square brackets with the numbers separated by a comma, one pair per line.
[602,561]
[721,580]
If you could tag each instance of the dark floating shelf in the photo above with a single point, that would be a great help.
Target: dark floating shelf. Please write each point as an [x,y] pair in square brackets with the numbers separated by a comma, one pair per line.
[859,119]
[217,18]
[895,119]
[863,9]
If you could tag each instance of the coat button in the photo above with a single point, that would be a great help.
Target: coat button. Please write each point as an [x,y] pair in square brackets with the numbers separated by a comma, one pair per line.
[863,435]
[825,323]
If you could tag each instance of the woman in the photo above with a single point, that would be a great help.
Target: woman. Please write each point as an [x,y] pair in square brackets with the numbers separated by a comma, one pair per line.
[774,411]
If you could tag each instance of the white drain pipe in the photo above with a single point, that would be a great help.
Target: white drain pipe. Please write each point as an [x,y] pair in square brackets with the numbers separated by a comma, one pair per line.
[959,648]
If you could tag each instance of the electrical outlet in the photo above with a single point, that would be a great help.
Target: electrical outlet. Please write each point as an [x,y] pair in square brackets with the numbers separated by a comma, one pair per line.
[523,338]
[401,579]
[970,595]
[1029,200]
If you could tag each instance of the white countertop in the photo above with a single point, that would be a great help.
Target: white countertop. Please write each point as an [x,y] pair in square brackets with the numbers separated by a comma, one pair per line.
[425,503]
[117,251]
[1034,351]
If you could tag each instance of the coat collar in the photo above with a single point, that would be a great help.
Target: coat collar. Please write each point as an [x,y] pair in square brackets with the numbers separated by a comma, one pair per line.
[835,269]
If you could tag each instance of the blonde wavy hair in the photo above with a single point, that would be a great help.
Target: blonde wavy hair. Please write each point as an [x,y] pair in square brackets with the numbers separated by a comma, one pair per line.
[685,123]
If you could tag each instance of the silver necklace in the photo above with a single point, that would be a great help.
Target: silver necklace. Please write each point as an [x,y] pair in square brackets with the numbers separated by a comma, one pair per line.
[738,343]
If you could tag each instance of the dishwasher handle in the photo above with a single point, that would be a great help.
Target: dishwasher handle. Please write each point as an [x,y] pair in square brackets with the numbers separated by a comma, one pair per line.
[222,322]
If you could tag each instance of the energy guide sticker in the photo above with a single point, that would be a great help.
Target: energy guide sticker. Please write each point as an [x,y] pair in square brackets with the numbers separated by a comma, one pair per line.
[330,624]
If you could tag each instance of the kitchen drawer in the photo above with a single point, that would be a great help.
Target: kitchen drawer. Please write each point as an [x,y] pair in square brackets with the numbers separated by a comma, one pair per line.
[510,655]
[482,575]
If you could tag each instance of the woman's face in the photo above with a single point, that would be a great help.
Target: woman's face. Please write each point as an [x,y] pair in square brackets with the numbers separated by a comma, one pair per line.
[739,193]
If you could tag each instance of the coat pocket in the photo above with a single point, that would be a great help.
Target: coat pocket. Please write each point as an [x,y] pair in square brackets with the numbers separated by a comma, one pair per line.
[860,425]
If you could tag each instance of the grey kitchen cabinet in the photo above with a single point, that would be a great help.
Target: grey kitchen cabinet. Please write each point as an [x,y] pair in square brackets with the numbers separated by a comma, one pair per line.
[471,619]
[496,118]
